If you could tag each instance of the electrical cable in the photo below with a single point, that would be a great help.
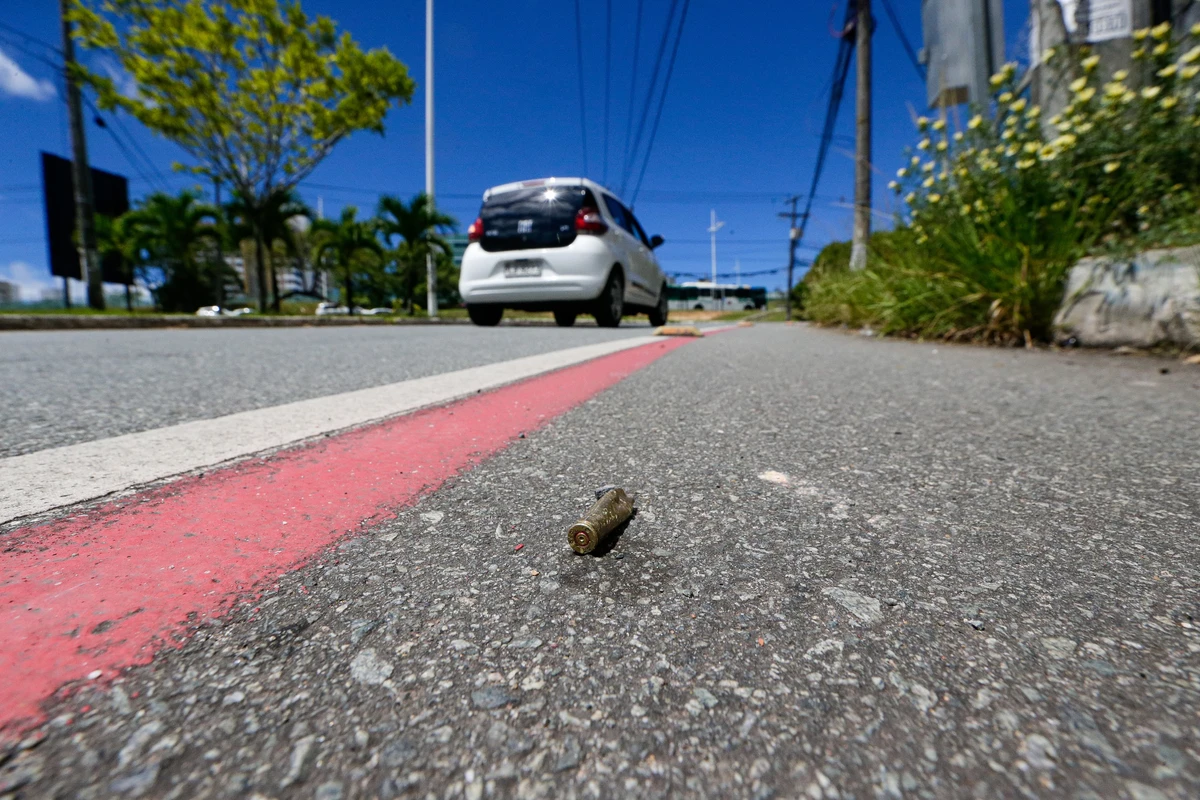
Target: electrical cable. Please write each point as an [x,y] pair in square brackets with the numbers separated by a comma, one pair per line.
[908,48]
[582,106]
[637,48]
[125,151]
[607,82]
[637,139]
[662,100]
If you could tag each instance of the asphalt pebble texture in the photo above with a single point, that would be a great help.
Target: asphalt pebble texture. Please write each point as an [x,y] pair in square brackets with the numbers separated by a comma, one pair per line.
[65,387]
[859,569]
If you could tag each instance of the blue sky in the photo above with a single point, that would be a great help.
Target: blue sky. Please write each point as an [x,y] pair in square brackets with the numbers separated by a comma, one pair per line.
[739,131]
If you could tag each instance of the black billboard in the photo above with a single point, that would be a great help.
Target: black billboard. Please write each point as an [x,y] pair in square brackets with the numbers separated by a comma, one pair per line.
[110,194]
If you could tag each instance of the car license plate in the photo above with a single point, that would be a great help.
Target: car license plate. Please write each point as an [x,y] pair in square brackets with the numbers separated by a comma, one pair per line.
[523,269]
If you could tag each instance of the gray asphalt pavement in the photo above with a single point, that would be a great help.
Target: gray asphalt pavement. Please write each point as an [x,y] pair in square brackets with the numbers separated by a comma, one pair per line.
[860,569]
[66,387]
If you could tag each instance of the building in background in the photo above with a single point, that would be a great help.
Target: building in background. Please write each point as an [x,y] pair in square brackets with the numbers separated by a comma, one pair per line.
[964,47]
[9,294]
[458,244]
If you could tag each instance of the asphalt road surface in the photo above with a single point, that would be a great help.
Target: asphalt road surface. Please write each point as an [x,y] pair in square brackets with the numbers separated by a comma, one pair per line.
[65,387]
[859,569]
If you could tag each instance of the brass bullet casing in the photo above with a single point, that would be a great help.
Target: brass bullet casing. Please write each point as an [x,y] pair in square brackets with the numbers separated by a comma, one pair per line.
[613,508]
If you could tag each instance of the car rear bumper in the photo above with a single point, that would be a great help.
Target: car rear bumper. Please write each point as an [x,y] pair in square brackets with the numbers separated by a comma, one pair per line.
[571,274]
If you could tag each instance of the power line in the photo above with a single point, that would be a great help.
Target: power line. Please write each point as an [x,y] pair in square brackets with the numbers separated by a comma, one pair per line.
[908,48]
[30,37]
[662,100]
[637,139]
[637,48]
[125,151]
[582,107]
[607,81]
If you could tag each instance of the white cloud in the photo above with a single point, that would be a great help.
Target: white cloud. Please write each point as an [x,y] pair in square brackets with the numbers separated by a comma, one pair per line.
[19,83]
[31,281]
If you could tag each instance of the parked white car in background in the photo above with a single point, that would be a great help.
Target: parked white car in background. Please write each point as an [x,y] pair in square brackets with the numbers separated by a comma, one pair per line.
[566,245]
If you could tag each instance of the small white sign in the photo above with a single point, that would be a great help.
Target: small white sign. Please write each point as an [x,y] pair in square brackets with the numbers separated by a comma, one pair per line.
[1105,19]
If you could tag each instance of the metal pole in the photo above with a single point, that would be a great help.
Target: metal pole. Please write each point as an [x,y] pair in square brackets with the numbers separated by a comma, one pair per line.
[81,174]
[862,148]
[431,302]
[793,238]
[713,227]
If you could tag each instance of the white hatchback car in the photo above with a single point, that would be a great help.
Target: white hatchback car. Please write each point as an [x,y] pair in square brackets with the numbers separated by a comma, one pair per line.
[566,245]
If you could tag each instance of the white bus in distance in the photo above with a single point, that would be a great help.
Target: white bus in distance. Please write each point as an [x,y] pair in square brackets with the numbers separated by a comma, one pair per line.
[707,296]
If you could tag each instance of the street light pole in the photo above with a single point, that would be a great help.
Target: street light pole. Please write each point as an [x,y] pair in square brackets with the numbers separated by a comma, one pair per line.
[431,303]
[713,227]
[81,175]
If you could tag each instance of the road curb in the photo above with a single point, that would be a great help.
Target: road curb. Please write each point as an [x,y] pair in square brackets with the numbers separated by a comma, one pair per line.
[70,322]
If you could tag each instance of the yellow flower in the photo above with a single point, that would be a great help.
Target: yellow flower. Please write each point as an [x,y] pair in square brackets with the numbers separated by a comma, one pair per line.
[927,166]
[910,198]
[935,198]
[1196,29]
[1006,97]
[1161,31]
[1169,102]
[1128,96]
[923,144]
[961,172]
[1191,56]
[1047,153]
[1030,147]
[900,173]
[939,125]
[1114,89]
[996,80]
[965,210]
[1078,84]
[922,123]
[1120,75]
[1189,72]
[1087,94]
[1151,92]
[1056,119]
[979,206]
[942,146]
[1018,106]
[1160,49]
[975,122]
[1066,140]
[1010,151]
[1138,53]
[1026,163]
[1091,62]
[1008,134]
[958,136]
[1140,34]
[1168,71]
[1085,127]
[1034,112]
[895,187]
[1143,210]
[1058,205]
[1111,167]
[914,161]
[928,182]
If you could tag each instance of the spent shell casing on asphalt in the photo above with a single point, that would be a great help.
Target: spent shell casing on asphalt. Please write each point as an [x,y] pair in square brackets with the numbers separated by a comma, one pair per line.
[613,508]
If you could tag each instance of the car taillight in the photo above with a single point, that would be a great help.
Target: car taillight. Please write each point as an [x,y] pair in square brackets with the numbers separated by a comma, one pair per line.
[475,232]
[588,220]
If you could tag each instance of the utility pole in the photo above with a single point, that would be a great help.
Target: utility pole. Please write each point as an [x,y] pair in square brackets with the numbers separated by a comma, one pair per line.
[713,227]
[431,303]
[81,174]
[794,234]
[862,138]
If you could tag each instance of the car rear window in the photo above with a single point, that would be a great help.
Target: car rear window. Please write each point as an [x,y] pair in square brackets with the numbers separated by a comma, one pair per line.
[535,216]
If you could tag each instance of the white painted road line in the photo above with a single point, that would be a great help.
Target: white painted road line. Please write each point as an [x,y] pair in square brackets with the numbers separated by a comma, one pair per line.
[39,482]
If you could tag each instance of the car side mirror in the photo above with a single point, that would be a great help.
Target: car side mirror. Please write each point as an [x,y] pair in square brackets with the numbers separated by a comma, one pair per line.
[655,241]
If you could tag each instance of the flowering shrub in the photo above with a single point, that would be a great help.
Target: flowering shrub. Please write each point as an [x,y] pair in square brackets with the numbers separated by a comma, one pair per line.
[999,210]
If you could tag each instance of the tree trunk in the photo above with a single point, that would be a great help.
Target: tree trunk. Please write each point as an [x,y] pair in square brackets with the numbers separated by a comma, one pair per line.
[129,297]
[349,292]
[274,282]
[259,268]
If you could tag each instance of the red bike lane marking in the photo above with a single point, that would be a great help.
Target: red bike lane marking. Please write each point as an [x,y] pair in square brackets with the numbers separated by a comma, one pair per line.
[105,588]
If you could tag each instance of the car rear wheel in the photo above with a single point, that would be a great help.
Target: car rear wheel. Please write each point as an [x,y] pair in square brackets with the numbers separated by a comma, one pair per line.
[610,305]
[564,318]
[487,316]
[658,314]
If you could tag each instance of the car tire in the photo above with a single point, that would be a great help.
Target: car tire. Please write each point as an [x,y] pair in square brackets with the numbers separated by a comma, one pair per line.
[564,318]
[610,305]
[485,316]
[658,314]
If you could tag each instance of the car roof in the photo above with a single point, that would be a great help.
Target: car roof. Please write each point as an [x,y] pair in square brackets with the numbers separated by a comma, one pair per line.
[556,181]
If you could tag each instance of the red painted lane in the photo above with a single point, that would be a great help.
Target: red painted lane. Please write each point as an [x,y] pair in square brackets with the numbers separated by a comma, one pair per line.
[106,588]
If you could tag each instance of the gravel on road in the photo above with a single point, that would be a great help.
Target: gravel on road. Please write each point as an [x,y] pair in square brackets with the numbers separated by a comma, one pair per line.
[65,387]
[858,569]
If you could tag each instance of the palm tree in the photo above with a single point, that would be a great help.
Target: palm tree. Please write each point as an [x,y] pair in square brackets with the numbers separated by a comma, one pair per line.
[418,225]
[179,237]
[266,224]
[345,241]
[117,242]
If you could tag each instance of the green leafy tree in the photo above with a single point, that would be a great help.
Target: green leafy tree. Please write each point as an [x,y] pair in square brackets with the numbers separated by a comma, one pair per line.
[343,244]
[117,242]
[255,91]
[178,239]
[417,225]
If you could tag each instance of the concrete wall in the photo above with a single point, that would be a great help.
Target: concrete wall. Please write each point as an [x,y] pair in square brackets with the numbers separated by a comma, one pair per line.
[1148,300]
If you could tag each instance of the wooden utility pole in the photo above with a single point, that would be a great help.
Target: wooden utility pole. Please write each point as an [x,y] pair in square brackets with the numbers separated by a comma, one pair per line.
[794,234]
[81,174]
[862,138]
